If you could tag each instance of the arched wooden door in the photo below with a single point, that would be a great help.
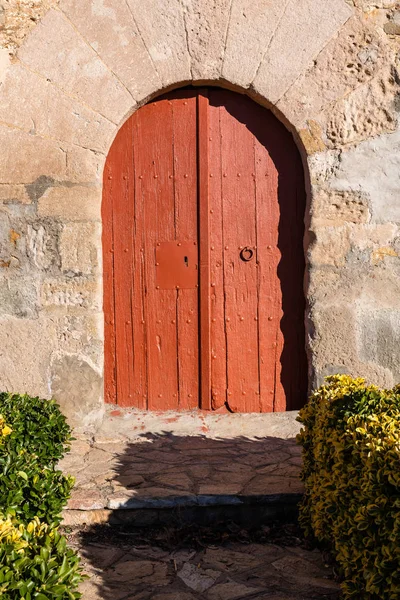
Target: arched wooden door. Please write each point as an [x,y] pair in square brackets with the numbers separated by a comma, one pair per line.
[203,258]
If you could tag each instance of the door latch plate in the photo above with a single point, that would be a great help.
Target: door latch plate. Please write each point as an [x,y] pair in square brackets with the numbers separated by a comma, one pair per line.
[177,265]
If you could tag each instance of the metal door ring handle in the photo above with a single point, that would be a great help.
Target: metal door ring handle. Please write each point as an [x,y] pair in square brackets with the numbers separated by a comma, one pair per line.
[247,254]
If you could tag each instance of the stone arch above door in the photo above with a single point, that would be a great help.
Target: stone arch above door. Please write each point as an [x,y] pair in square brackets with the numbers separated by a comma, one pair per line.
[77,76]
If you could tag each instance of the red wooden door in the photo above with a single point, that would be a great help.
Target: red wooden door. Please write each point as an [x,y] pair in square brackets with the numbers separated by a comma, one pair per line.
[203,258]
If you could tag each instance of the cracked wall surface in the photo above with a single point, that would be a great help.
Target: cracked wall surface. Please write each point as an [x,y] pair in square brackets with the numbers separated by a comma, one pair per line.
[72,71]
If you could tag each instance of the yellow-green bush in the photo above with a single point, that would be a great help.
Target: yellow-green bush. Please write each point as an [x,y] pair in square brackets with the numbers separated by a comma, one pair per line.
[351,452]
[36,437]
[35,561]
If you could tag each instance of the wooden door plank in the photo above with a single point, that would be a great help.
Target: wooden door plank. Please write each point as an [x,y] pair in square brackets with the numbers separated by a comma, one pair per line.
[291,390]
[155,163]
[204,250]
[281,196]
[123,218]
[240,277]
[268,256]
[184,111]
[140,365]
[110,376]
[217,308]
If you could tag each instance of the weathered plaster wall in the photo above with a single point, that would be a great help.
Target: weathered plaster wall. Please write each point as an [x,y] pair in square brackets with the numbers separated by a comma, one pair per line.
[71,71]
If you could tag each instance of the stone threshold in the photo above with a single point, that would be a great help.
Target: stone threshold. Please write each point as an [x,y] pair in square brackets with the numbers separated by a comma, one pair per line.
[245,511]
[152,468]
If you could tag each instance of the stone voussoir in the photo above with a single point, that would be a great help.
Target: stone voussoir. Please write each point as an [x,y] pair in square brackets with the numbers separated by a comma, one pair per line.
[251,28]
[206,25]
[112,32]
[162,28]
[304,29]
[56,51]
[23,93]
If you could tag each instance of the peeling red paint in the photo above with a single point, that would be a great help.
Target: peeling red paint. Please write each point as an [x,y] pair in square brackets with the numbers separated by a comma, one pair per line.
[116,413]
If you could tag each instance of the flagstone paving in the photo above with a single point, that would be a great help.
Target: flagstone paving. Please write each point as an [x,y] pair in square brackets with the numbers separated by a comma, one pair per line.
[135,570]
[142,460]
[139,463]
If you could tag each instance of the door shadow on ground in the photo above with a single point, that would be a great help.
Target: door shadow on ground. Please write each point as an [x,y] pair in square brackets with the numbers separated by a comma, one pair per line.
[195,521]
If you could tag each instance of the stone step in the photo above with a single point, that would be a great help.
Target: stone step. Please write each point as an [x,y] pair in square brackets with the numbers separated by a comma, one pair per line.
[153,468]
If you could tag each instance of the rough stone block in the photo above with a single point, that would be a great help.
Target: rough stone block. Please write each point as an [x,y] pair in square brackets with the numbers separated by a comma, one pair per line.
[77,518]
[17,18]
[206,25]
[372,168]
[86,499]
[22,98]
[334,342]
[76,203]
[25,352]
[13,194]
[41,241]
[162,28]
[367,112]
[334,208]
[82,334]
[352,58]
[330,247]
[231,590]
[198,579]
[373,236]
[18,295]
[304,29]
[4,63]
[387,280]
[78,388]
[323,166]
[251,28]
[55,50]
[392,28]
[379,338]
[110,29]
[336,345]
[312,137]
[83,166]
[28,157]
[79,245]
[77,292]
[9,240]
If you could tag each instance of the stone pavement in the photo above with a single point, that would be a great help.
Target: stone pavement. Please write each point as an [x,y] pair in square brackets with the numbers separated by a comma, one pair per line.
[140,460]
[134,570]
[139,465]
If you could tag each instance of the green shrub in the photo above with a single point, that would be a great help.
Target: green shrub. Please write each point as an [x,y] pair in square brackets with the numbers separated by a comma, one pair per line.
[38,426]
[351,451]
[30,484]
[36,564]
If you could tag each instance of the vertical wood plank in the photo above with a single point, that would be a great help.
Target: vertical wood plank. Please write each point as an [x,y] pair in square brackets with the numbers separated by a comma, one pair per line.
[268,256]
[123,218]
[154,166]
[240,277]
[204,250]
[140,366]
[217,303]
[184,110]
[281,202]
[110,376]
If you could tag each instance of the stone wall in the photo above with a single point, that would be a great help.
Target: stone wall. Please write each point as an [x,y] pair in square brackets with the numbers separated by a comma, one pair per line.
[72,71]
